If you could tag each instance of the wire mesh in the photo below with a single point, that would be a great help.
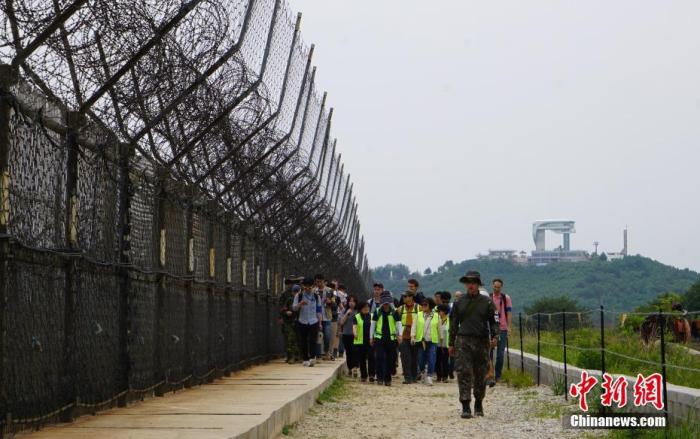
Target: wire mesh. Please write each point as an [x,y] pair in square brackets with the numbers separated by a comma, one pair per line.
[158,160]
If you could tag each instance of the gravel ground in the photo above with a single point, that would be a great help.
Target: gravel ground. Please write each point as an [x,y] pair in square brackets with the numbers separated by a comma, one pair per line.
[419,411]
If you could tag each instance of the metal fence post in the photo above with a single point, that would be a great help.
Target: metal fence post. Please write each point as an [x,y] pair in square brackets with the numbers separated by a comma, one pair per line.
[663,364]
[70,373]
[188,363]
[8,77]
[211,307]
[159,250]
[228,315]
[602,340]
[538,349]
[125,194]
[566,376]
[522,355]
[602,348]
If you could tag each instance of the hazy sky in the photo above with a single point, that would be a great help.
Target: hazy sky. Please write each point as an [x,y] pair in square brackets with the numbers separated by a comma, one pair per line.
[462,122]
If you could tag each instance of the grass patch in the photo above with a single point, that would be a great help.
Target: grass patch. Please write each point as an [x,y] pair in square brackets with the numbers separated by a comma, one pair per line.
[517,379]
[286,430]
[336,391]
[552,410]
[617,341]
[558,386]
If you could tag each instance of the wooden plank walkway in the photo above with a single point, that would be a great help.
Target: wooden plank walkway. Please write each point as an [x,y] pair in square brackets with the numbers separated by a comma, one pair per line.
[253,403]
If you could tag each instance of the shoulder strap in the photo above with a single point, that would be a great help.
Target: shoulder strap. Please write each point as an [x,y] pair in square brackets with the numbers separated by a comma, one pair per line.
[503,303]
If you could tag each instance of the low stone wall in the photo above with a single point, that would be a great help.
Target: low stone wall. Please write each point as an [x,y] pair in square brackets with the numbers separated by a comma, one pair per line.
[683,402]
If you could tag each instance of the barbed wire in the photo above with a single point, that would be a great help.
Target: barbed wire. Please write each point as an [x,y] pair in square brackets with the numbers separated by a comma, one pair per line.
[170,158]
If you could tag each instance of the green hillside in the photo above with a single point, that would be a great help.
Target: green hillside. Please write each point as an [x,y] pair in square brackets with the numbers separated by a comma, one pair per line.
[621,284]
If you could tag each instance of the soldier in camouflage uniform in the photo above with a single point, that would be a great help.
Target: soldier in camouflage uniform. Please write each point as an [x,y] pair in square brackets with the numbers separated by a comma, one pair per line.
[473,329]
[288,317]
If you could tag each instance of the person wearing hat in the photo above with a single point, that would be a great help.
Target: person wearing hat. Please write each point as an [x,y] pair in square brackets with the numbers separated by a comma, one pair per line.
[288,318]
[378,289]
[386,324]
[408,313]
[308,304]
[472,330]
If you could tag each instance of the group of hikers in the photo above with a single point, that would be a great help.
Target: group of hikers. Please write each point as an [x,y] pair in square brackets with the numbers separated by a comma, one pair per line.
[434,337]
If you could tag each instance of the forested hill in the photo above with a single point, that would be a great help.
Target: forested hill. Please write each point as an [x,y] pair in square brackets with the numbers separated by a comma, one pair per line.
[622,284]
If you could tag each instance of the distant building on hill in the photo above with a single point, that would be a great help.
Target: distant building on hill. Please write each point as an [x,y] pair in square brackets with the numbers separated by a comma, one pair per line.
[541,256]
[494,255]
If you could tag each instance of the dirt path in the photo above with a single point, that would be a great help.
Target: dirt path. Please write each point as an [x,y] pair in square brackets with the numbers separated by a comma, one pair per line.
[418,411]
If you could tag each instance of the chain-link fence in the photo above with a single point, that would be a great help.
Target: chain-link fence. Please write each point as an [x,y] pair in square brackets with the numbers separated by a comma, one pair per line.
[163,166]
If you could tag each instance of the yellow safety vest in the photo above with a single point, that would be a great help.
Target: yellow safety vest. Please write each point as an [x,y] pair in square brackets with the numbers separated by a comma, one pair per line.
[380,324]
[359,338]
[404,314]
[434,327]
[447,330]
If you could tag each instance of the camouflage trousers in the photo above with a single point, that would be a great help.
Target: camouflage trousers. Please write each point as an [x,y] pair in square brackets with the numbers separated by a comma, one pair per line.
[291,344]
[471,364]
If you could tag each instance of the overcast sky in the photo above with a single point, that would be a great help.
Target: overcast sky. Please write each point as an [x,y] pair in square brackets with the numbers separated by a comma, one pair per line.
[462,122]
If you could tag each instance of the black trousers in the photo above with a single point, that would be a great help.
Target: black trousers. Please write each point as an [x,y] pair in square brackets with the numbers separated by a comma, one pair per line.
[442,363]
[307,340]
[409,359]
[349,351]
[361,356]
[385,353]
[372,361]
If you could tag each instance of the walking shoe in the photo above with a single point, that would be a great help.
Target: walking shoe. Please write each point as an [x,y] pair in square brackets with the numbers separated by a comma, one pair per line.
[371,379]
[363,380]
[380,382]
[490,382]
[312,362]
[478,409]
[306,364]
[452,375]
[466,411]
[406,381]
[388,383]
[429,381]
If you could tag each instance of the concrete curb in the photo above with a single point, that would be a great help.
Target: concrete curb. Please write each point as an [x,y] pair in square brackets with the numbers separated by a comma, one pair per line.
[683,402]
[292,411]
